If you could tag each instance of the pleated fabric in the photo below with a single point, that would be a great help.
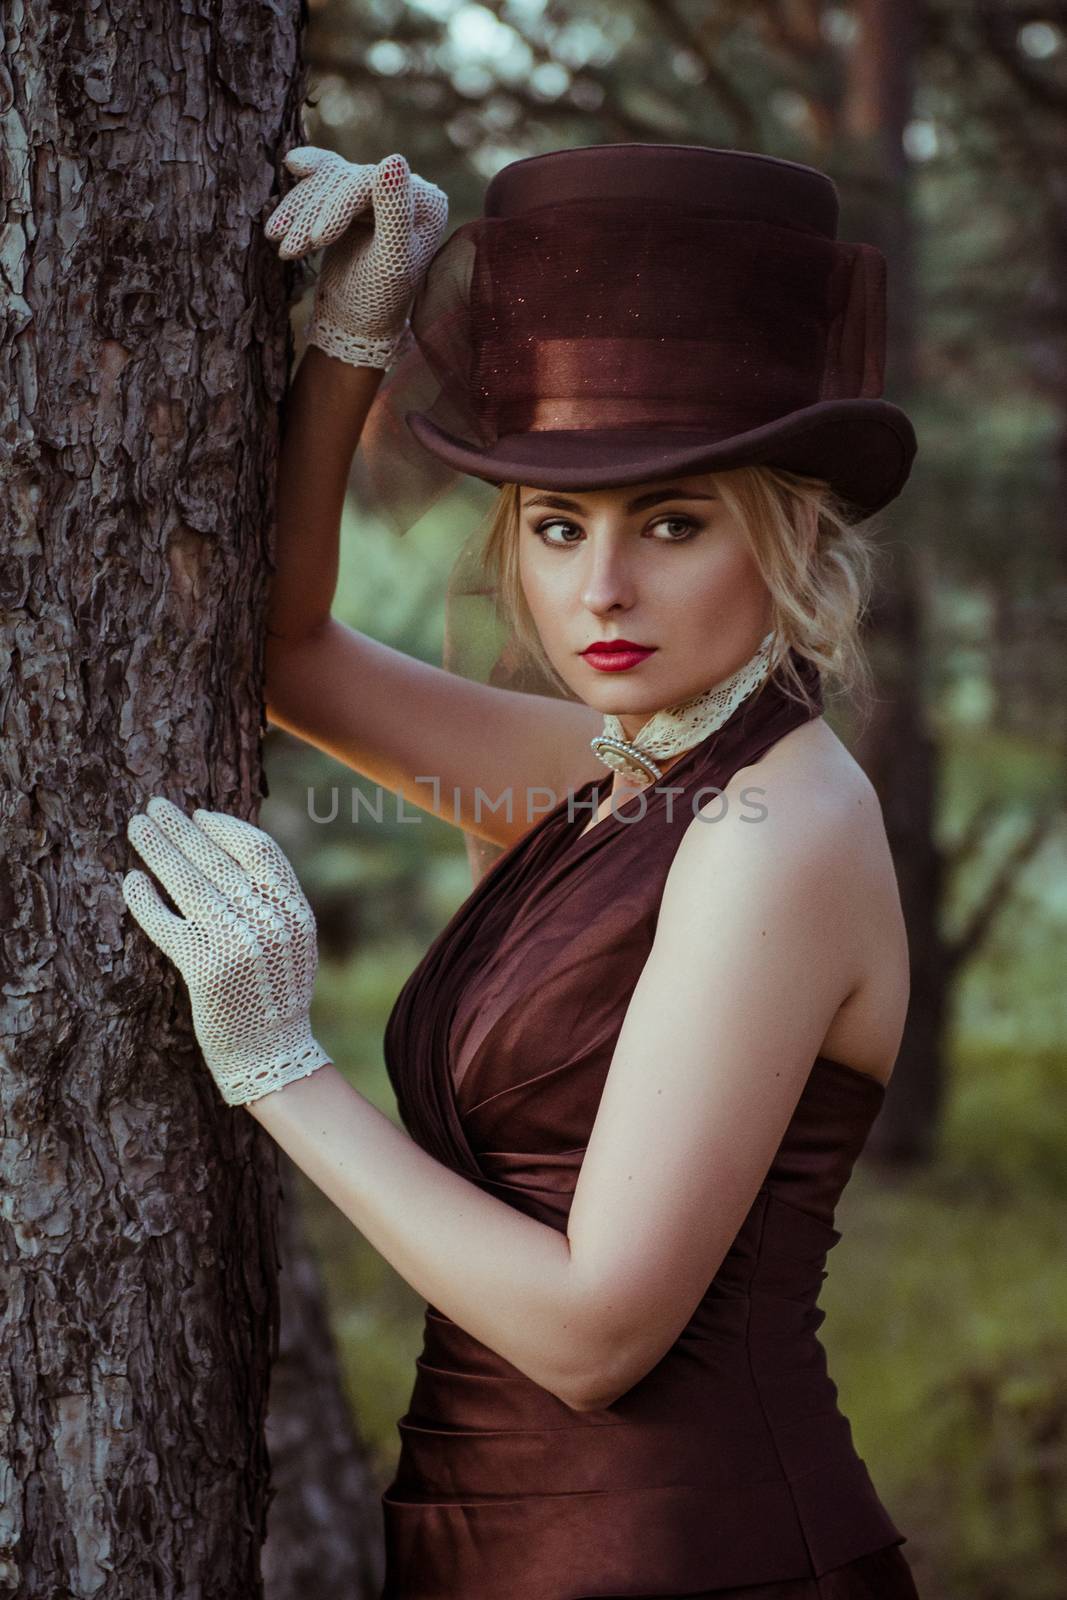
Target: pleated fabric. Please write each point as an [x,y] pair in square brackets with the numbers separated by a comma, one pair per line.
[730,1464]
[883,1575]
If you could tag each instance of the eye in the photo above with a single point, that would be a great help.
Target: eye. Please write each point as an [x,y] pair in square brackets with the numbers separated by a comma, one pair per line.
[555,522]
[689,527]
[687,523]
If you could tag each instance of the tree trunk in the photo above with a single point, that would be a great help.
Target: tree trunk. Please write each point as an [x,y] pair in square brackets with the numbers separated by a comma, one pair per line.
[325,1532]
[143,354]
[900,756]
[897,749]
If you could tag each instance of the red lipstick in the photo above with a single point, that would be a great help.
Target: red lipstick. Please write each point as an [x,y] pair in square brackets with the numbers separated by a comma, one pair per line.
[616,655]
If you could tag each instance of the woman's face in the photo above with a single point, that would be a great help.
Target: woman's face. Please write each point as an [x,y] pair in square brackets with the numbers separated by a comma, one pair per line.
[660,564]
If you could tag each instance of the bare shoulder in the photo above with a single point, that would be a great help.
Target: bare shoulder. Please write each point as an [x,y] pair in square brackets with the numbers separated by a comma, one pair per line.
[807,787]
[819,847]
[810,774]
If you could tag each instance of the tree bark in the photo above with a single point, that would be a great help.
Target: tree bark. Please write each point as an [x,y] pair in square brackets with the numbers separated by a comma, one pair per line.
[897,748]
[325,1534]
[144,355]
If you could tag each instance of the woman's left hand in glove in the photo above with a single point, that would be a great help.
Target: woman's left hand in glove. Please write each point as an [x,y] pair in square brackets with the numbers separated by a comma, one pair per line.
[245,942]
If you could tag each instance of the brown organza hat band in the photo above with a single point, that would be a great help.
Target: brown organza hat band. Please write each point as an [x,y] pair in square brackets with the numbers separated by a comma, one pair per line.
[668,304]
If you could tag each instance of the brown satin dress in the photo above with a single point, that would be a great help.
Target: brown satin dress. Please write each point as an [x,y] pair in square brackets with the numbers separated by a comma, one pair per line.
[729,1468]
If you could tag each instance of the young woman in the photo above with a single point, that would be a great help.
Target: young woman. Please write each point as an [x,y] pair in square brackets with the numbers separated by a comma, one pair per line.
[637,1066]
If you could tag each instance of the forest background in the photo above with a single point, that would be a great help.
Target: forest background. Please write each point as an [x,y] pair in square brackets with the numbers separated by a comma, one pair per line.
[147,332]
[944,127]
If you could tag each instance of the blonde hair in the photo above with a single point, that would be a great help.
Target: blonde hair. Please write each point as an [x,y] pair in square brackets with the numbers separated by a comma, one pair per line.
[818,565]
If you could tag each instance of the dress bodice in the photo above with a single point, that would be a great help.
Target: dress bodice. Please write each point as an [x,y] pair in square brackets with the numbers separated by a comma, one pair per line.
[729,1462]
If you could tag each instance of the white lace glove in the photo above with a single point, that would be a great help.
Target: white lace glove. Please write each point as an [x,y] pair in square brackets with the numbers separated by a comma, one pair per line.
[374,263]
[245,943]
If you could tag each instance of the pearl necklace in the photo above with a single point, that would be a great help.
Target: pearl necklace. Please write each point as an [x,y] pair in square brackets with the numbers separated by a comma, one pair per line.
[679,727]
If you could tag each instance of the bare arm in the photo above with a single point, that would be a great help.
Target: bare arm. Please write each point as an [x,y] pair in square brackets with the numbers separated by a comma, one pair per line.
[505,1278]
[340,689]
[329,684]
[326,407]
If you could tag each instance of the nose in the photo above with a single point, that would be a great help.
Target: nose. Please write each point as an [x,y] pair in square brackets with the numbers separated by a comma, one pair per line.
[607,583]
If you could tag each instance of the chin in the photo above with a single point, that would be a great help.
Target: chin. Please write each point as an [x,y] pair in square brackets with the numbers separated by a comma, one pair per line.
[613,698]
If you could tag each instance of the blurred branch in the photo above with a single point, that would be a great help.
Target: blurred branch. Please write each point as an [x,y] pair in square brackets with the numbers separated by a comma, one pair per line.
[1021,142]
[963,948]
[1010,312]
[796,27]
[695,41]
[973,836]
[323,57]
[808,60]
[1012,16]
[999,30]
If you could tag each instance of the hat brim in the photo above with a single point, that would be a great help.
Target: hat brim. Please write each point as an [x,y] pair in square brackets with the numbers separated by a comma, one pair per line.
[863,448]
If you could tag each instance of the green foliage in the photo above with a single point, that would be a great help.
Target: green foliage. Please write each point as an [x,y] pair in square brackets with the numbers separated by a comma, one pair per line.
[946,1298]
[946,1303]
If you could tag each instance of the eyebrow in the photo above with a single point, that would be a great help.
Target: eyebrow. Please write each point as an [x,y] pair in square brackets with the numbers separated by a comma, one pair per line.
[560,502]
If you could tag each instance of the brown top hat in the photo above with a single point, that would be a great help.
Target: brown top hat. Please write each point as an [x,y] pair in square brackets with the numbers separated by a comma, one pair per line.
[623,312]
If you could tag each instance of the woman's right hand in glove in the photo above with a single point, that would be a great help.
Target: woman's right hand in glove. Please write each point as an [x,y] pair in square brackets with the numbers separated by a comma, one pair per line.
[381,224]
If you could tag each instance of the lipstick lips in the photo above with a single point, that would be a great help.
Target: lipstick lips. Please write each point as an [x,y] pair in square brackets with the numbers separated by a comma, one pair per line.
[616,655]
[617,644]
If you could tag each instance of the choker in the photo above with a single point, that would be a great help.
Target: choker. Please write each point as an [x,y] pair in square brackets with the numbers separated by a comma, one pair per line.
[679,727]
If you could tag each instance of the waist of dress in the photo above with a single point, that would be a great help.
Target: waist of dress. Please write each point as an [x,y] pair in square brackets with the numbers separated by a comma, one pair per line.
[742,1397]
[718,1410]
[713,1470]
